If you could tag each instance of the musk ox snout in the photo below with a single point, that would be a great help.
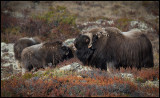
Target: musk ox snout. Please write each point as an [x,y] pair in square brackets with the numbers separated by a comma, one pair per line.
[66,52]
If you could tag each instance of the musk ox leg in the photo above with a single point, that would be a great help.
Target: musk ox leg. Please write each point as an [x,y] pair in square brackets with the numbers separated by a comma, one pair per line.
[117,66]
[23,71]
[44,64]
[26,66]
[37,63]
[148,62]
[110,66]
[18,65]
[103,66]
[34,70]
[54,62]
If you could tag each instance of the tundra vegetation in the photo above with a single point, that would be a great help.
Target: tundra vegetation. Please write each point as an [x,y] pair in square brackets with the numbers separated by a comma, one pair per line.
[56,20]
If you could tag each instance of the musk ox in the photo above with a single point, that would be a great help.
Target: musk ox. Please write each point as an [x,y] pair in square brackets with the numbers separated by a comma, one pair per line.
[38,56]
[110,45]
[21,44]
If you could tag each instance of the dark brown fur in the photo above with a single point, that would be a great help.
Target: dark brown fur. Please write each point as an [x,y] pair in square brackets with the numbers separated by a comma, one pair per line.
[23,43]
[124,51]
[38,56]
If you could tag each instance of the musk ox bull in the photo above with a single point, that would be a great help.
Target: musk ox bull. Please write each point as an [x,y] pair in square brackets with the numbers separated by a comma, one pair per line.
[21,44]
[38,56]
[110,45]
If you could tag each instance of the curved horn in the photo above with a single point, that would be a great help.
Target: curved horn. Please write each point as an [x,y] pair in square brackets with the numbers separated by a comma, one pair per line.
[90,35]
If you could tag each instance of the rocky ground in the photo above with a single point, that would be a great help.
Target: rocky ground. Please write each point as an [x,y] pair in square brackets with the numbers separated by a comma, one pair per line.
[8,64]
[9,68]
[71,78]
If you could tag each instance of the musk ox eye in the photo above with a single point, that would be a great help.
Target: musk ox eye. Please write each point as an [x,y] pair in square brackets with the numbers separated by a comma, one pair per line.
[87,40]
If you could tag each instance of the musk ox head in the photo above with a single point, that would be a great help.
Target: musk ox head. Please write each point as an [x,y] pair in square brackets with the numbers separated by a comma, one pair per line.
[23,43]
[111,45]
[97,33]
[38,56]
[82,41]
[66,52]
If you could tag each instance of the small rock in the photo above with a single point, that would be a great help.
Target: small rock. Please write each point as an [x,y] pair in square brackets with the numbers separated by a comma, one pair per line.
[85,24]
[75,67]
[72,66]
[126,76]
[99,21]
[7,64]
[111,22]
[151,83]
[69,42]
[3,44]
[5,50]
[84,69]
[140,25]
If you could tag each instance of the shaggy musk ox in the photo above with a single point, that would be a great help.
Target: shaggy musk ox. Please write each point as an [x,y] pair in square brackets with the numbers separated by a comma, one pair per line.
[110,45]
[38,56]
[23,43]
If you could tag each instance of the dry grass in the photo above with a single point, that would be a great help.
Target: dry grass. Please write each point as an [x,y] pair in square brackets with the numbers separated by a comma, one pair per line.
[86,84]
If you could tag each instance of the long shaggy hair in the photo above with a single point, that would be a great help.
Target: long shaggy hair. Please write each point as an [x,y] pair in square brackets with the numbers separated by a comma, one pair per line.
[131,49]
[38,56]
[23,43]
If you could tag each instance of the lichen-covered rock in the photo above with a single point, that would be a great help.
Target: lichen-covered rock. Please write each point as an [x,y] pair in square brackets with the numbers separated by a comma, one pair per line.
[8,64]
[140,25]
[100,21]
[74,67]
[127,76]
[69,42]
[7,55]
[151,83]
